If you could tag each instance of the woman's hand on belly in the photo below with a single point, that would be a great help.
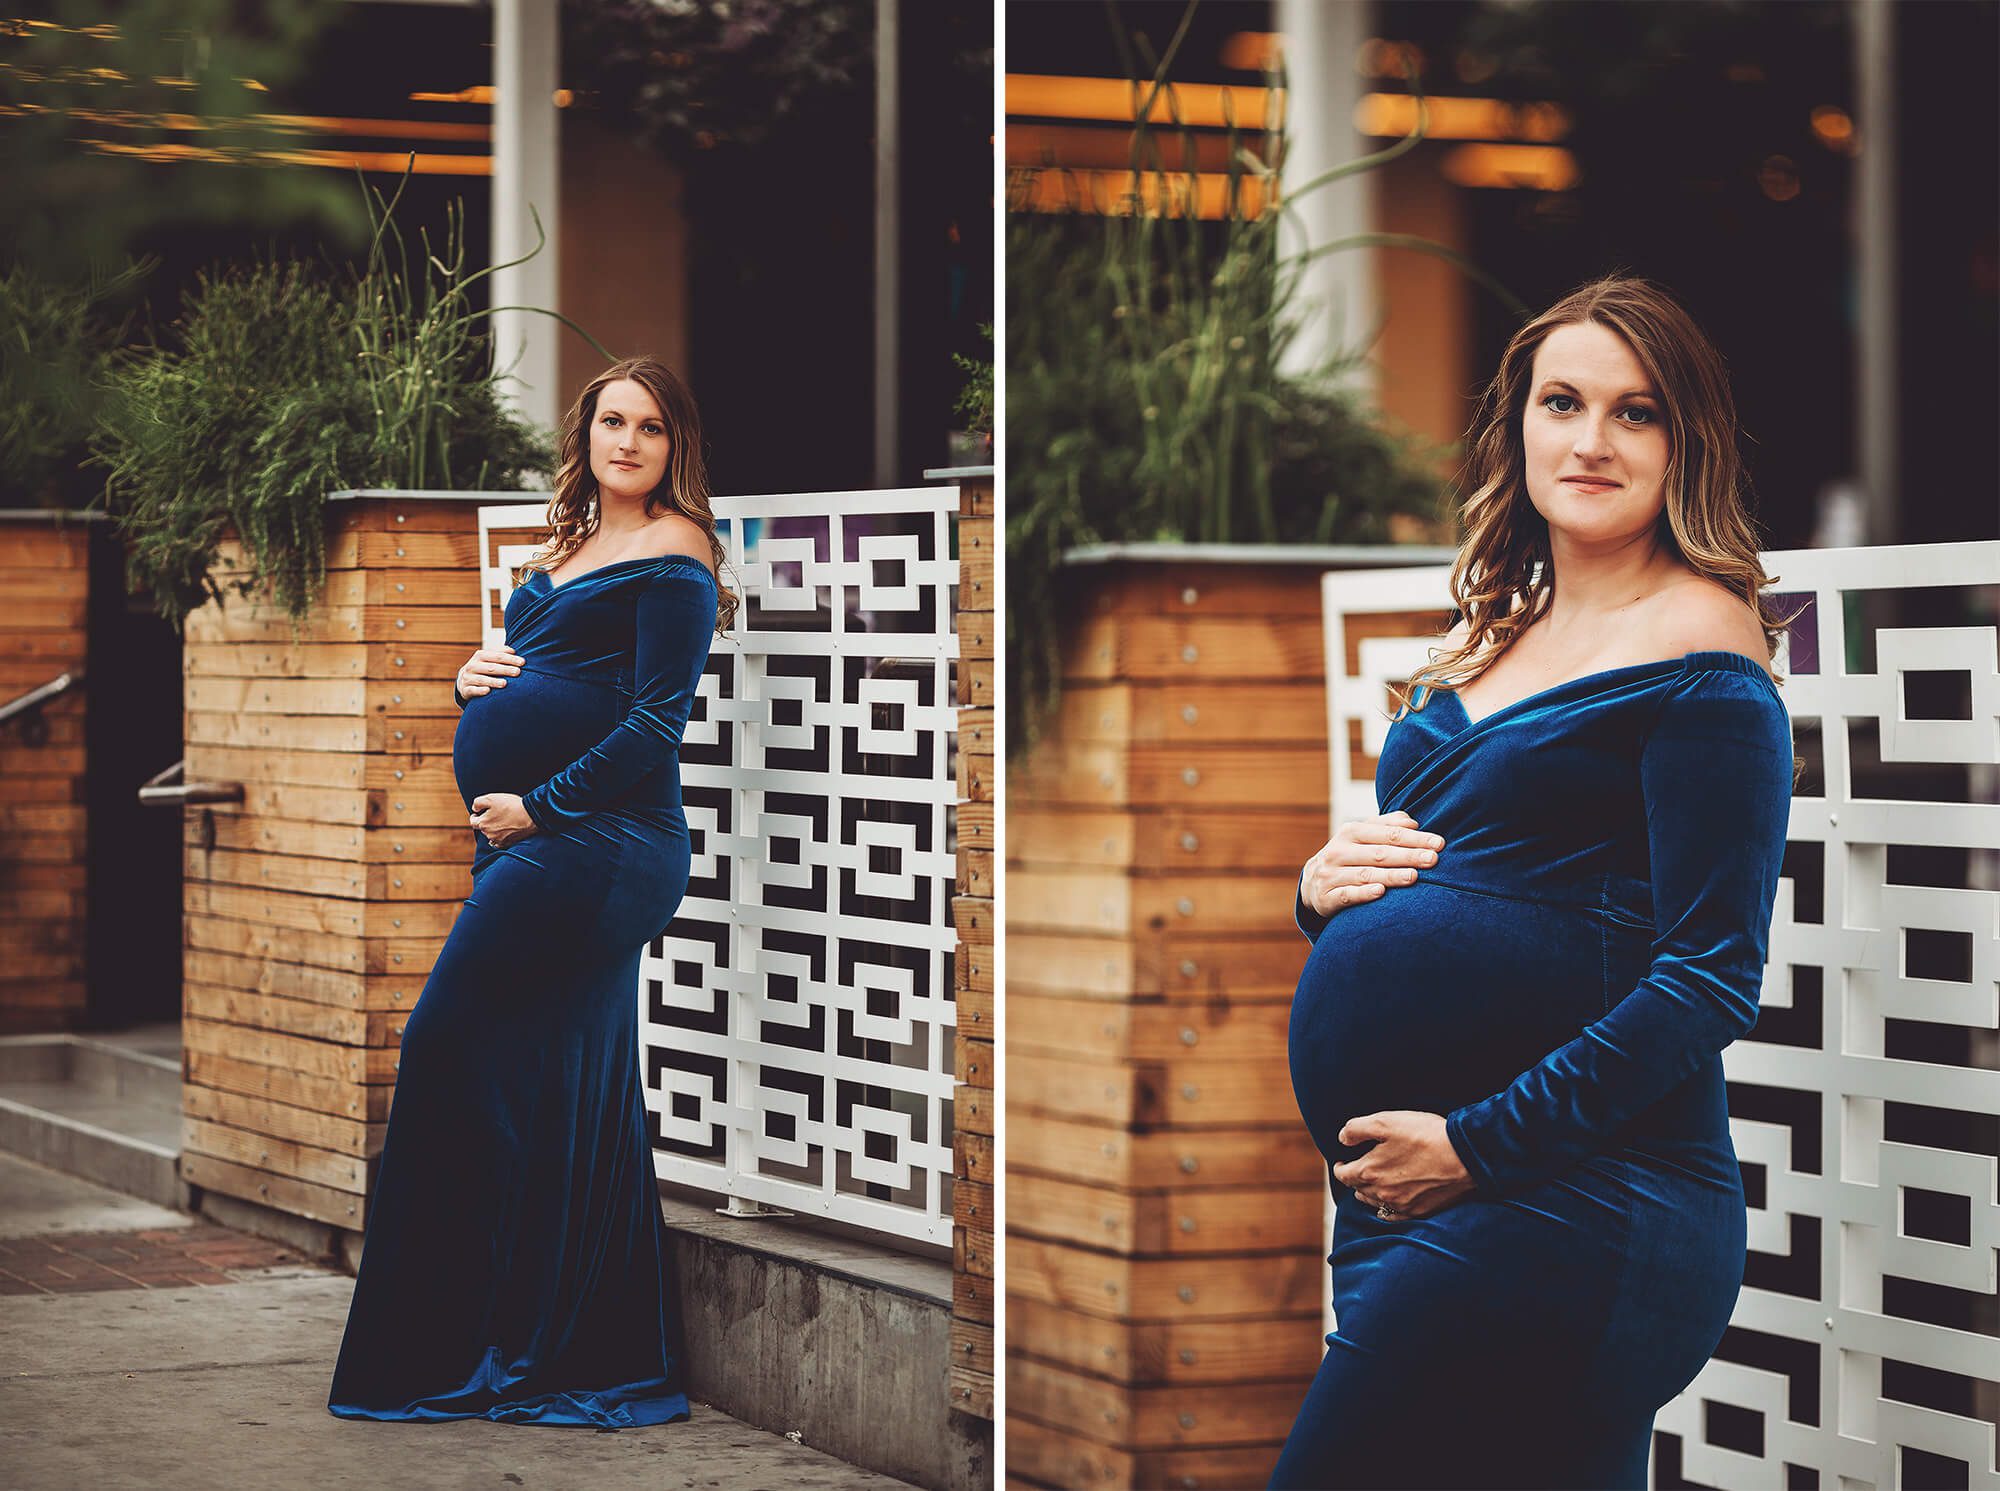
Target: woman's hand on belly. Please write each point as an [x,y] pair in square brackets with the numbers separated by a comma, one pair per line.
[1364,859]
[1412,1169]
[500,816]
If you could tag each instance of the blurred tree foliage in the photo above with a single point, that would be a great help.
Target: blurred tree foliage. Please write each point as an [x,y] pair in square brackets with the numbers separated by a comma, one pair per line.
[90,97]
[56,342]
[83,93]
[694,76]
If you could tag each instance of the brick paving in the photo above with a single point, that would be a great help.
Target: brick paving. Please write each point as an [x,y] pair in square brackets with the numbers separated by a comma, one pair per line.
[152,1258]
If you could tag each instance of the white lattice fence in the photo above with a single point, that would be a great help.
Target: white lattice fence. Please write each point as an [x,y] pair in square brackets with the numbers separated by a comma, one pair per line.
[1865,1347]
[797,1016]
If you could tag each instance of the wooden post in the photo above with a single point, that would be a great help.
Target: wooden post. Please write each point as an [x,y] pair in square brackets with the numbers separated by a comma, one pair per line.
[971,1387]
[44,603]
[1165,1205]
[316,906]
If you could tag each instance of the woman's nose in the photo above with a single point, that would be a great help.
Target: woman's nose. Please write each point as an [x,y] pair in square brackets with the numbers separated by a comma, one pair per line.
[1591,443]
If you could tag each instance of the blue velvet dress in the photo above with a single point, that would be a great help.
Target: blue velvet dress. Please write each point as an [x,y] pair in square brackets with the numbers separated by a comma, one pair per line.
[514,1266]
[1559,985]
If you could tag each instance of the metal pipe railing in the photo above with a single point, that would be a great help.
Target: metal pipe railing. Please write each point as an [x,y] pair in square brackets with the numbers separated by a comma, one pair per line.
[164,790]
[28,707]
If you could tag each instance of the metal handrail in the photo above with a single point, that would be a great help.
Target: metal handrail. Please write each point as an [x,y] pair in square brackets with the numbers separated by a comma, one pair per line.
[163,790]
[39,695]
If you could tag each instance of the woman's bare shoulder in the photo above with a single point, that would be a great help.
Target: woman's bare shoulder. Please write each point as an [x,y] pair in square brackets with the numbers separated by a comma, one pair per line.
[673,534]
[1698,614]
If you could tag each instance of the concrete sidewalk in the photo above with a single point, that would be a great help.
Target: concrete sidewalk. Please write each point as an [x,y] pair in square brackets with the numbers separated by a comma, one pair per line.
[122,1382]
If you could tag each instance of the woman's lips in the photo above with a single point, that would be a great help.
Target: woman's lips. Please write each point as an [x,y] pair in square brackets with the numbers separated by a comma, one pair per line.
[1588,483]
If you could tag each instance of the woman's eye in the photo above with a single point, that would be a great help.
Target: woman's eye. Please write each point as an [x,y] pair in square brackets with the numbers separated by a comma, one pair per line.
[1628,409]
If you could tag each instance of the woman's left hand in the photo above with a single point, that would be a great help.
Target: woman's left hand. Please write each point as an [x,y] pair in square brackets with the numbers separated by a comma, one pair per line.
[1412,1170]
[500,816]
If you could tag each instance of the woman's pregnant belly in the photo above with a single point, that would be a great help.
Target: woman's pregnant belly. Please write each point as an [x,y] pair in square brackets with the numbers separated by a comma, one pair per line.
[516,738]
[1431,997]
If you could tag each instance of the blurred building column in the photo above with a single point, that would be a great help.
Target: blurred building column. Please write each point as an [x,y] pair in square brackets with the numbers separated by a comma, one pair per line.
[1878,423]
[888,239]
[526,51]
[1323,40]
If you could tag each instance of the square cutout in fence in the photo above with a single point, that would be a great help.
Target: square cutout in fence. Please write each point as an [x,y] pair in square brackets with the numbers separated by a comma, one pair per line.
[1936,1215]
[1731,1426]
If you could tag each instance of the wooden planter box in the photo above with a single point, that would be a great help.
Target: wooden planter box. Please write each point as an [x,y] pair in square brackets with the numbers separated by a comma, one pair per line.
[44,596]
[1165,1254]
[315,908]
[971,1371]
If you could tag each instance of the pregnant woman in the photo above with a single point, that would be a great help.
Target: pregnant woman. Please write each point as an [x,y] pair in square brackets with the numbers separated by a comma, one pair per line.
[1506,1040]
[514,1266]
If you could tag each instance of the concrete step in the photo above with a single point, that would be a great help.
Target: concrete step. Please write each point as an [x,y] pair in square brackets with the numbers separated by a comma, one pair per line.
[108,1110]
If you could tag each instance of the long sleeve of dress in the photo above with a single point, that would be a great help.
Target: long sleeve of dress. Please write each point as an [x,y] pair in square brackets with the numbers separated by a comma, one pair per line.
[1716,772]
[1309,921]
[675,616]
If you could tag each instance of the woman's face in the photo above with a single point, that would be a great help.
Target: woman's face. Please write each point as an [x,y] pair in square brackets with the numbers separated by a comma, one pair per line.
[1592,413]
[628,441]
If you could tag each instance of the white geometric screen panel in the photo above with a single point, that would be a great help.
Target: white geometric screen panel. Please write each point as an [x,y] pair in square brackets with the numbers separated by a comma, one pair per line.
[1864,1351]
[796,1018]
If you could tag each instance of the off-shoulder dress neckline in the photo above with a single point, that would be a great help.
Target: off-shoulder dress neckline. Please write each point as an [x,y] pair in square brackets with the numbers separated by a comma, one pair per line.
[1731,661]
[553,586]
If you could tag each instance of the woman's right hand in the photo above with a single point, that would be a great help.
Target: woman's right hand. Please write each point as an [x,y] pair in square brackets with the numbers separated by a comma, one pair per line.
[487,669]
[1364,858]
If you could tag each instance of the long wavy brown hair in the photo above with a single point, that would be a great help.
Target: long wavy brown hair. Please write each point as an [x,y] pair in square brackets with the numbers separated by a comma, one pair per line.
[1502,580]
[573,509]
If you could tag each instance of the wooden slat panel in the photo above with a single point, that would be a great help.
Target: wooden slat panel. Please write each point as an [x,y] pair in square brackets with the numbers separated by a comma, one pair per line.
[1102,1155]
[261,1115]
[1220,650]
[298,1197]
[1166,840]
[1151,1094]
[398,959]
[1278,1347]
[1175,967]
[1292,778]
[268,1012]
[1194,1032]
[1235,1222]
[44,836]
[319,1167]
[1111,903]
[331,1095]
[1196,590]
[1191,713]
[1054,1457]
[1214,1414]
[311,1058]
[1116,1287]
[972,1347]
[230,826]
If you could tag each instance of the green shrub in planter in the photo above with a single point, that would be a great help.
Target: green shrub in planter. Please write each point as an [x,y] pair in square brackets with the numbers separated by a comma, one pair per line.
[279,384]
[1145,400]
